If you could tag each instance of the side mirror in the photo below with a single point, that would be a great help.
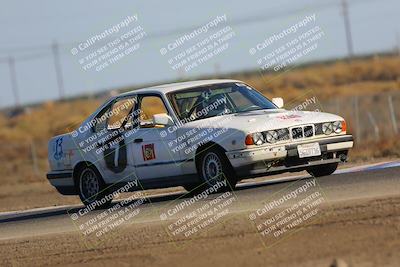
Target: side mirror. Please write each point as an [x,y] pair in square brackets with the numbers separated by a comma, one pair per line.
[162,119]
[278,101]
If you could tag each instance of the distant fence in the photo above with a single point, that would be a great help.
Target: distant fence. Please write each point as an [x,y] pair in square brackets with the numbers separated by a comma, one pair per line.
[24,157]
[369,117]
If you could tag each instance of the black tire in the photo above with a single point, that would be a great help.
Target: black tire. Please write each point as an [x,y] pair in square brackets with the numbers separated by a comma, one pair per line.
[92,188]
[214,156]
[323,170]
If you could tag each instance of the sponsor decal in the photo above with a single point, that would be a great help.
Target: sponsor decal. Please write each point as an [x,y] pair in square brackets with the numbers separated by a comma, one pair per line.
[148,152]
[289,117]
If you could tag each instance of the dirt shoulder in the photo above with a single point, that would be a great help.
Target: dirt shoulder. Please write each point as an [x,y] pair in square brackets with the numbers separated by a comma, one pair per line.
[362,232]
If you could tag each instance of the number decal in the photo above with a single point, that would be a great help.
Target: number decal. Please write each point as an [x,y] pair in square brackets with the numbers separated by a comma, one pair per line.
[58,149]
[118,164]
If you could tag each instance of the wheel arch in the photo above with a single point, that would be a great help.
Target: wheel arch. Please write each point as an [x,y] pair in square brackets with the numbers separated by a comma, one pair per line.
[203,148]
[230,174]
[78,168]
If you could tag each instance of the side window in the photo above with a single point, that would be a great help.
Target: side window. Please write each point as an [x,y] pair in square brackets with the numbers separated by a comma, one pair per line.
[150,105]
[121,113]
[101,120]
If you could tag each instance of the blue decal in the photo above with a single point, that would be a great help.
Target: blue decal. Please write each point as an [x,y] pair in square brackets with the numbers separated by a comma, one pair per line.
[58,150]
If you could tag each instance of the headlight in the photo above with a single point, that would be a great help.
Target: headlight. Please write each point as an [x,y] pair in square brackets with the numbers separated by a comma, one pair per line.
[258,138]
[327,128]
[272,136]
[337,126]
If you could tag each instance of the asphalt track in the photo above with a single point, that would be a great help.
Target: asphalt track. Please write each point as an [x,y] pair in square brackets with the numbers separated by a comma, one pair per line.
[361,182]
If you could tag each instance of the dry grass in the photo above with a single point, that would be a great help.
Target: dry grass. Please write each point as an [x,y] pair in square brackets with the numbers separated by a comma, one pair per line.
[368,76]
[26,135]
[360,77]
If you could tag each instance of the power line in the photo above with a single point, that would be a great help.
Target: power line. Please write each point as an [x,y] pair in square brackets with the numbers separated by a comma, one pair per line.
[234,22]
[25,57]
[56,48]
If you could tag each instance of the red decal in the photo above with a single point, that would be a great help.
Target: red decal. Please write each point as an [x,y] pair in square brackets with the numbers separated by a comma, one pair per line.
[288,117]
[148,152]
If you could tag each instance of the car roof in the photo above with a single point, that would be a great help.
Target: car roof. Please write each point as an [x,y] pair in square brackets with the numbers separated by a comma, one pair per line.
[166,88]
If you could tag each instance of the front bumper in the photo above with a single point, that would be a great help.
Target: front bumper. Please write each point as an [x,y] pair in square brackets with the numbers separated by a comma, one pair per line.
[284,157]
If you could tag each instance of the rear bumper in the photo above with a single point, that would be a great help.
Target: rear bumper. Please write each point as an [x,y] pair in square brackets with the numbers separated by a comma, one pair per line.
[281,158]
[63,181]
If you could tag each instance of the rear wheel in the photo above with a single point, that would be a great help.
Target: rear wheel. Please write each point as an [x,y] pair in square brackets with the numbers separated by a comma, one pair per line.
[323,170]
[92,188]
[215,170]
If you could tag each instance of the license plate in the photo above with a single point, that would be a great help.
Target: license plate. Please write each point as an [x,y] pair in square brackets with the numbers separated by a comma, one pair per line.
[309,150]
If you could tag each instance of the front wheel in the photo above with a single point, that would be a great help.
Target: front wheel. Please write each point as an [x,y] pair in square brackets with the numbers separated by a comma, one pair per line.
[92,189]
[323,170]
[215,170]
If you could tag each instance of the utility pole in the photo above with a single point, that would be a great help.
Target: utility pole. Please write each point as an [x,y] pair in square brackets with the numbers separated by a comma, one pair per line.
[217,70]
[58,69]
[347,28]
[13,79]
[393,115]
[357,114]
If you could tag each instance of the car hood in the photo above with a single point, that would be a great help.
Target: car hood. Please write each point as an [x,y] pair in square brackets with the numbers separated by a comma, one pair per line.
[262,120]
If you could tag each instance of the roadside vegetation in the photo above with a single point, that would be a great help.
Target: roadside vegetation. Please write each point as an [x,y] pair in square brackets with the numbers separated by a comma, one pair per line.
[23,138]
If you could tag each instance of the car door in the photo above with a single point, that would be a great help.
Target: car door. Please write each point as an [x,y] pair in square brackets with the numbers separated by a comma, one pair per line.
[153,155]
[113,127]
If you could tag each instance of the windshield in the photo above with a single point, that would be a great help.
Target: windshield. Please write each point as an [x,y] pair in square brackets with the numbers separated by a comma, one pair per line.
[212,100]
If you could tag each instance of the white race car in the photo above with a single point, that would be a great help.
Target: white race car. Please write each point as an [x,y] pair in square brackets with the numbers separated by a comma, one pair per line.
[192,134]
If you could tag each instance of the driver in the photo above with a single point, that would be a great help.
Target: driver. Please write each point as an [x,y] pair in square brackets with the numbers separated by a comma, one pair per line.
[212,106]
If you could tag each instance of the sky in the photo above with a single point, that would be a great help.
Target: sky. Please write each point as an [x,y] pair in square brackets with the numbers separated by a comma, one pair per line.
[29,28]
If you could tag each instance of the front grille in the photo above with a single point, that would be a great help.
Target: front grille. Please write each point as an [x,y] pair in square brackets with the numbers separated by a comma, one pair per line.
[308,131]
[283,134]
[302,132]
[297,132]
[318,128]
